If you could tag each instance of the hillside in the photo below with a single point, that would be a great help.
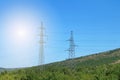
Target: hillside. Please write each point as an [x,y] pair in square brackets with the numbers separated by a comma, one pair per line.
[99,66]
[2,69]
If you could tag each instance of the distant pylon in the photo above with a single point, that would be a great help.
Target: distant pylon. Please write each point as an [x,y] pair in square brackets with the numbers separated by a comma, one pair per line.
[72,46]
[41,53]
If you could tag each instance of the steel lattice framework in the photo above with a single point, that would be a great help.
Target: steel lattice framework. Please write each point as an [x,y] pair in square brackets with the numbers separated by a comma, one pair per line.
[72,46]
[41,53]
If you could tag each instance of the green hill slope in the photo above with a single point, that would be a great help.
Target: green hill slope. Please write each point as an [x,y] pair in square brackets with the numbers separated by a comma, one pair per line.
[2,69]
[100,66]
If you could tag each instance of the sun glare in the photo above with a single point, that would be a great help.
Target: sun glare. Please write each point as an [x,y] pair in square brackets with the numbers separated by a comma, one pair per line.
[20,25]
[21,34]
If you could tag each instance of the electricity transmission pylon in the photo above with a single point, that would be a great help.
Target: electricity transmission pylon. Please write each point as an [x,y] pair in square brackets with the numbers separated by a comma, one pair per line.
[72,46]
[41,53]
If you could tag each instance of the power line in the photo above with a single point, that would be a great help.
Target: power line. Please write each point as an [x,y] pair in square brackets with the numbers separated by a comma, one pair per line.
[41,53]
[72,46]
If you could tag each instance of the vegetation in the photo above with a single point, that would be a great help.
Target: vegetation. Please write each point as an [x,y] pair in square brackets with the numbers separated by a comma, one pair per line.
[100,66]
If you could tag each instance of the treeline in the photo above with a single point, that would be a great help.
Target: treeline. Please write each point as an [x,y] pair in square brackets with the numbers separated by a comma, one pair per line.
[102,66]
[103,72]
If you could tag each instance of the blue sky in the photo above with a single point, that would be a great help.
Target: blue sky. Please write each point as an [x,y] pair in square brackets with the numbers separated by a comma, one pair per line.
[96,25]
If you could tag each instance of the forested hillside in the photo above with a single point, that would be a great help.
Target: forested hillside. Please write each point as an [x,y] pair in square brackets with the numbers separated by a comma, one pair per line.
[2,69]
[100,66]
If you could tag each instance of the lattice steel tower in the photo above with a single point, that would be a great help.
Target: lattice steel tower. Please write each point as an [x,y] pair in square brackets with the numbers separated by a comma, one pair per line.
[72,46]
[41,53]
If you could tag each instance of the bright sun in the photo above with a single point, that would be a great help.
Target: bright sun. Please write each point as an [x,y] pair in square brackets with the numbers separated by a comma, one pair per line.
[21,33]
[20,26]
